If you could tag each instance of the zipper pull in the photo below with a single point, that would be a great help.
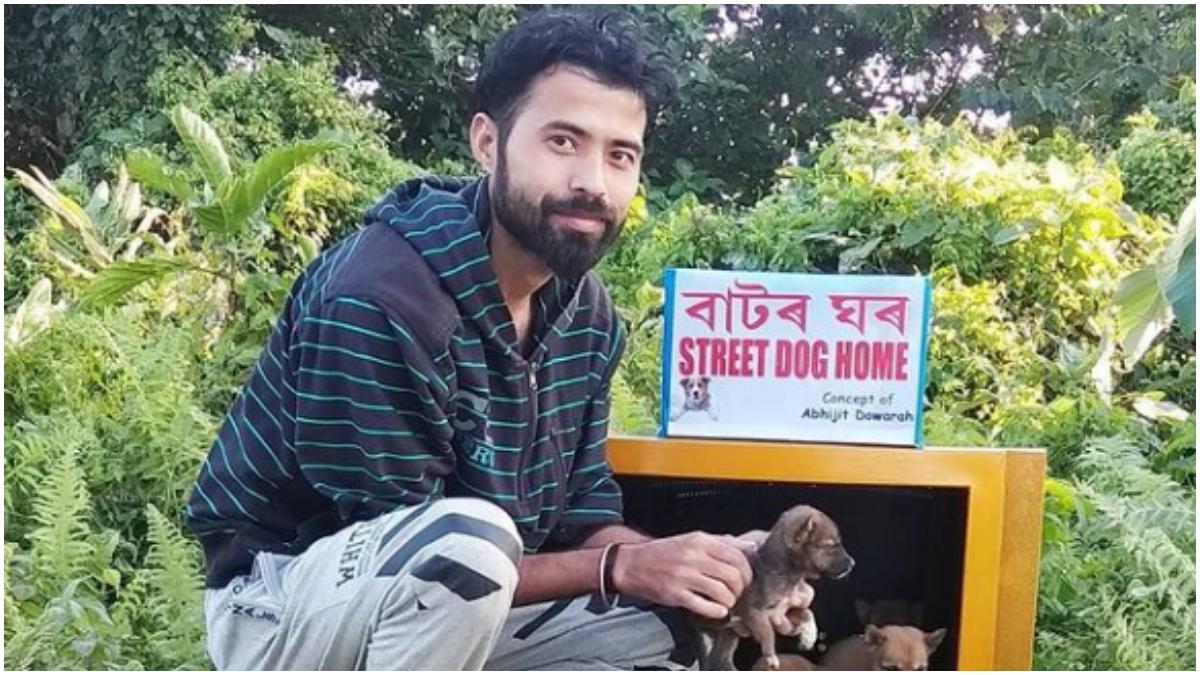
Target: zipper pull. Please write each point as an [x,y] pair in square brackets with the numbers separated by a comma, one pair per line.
[533,385]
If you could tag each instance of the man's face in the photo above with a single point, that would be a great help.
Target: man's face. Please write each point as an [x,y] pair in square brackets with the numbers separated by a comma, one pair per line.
[569,168]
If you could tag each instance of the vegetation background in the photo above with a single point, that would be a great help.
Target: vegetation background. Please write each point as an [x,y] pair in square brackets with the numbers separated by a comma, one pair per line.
[170,169]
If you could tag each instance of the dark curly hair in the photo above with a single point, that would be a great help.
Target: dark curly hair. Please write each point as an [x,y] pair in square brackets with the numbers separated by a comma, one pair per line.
[608,43]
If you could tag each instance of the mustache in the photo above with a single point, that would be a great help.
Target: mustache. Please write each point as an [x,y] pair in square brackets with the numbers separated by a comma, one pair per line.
[581,206]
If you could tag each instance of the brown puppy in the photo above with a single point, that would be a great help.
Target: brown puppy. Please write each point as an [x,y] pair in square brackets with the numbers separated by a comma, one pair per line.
[803,545]
[885,648]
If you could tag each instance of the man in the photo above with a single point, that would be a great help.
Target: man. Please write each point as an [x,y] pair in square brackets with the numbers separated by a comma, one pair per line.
[429,415]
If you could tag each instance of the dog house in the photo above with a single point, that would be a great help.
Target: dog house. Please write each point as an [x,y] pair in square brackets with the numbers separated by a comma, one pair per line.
[942,537]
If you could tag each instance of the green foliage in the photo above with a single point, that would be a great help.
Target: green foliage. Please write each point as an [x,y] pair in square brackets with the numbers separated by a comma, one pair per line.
[275,103]
[70,70]
[134,308]
[1118,571]
[423,57]
[1087,67]
[77,243]
[1150,297]
[163,604]
[980,358]
[236,198]
[203,145]
[59,588]
[1158,169]
[54,585]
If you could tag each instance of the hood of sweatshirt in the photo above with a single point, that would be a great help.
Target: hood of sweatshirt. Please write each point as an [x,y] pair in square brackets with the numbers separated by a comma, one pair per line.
[448,221]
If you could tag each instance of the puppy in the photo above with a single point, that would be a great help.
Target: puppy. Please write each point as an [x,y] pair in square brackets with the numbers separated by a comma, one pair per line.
[885,648]
[803,545]
[696,397]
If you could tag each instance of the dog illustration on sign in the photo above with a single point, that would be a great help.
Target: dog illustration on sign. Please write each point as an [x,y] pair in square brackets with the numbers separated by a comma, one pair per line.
[696,398]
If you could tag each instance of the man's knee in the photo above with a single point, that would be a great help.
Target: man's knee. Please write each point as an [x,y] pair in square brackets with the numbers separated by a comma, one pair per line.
[462,555]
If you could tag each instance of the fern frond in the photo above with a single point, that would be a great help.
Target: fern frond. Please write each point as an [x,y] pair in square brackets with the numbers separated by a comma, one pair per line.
[59,540]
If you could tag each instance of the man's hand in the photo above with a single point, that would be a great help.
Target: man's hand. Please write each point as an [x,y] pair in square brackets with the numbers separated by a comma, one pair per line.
[700,572]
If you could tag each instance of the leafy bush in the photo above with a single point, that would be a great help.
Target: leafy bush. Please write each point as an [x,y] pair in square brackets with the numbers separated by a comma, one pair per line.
[125,396]
[259,106]
[1118,571]
[978,356]
[1158,169]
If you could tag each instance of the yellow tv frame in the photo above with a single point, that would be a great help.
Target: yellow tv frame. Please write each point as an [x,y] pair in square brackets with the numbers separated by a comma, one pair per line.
[1003,520]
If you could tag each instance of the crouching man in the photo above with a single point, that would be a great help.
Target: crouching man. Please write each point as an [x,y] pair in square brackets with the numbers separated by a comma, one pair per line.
[414,475]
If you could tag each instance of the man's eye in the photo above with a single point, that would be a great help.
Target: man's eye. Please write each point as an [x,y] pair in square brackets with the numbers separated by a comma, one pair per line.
[565,142]
[890,667]
[625,157]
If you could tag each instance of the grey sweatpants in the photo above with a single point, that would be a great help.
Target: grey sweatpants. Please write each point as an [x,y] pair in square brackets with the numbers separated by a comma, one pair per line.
[427,588]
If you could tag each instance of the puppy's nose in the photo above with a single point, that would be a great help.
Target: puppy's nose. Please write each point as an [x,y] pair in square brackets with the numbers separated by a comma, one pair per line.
[849,567]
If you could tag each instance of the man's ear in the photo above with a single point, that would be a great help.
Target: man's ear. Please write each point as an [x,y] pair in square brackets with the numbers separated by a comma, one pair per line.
[875,637]
[932,640]
[485,141]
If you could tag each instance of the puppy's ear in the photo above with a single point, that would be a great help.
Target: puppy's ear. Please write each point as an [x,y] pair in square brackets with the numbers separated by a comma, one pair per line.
[932,640]
[706,379]
[875,637]
[804,530]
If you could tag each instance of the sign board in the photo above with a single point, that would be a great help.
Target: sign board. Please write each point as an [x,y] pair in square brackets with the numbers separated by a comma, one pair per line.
[805,357]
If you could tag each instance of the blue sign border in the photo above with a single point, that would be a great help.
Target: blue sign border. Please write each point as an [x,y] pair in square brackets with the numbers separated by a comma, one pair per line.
[664,400]
[920,431]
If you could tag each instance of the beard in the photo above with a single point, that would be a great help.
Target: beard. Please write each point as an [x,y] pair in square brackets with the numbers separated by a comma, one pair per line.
[568,253]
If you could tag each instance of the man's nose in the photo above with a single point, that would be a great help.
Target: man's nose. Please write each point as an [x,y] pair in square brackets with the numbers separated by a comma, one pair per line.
[588,177]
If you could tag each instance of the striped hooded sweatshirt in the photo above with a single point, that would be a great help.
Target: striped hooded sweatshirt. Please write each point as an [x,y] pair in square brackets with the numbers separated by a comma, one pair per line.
[393,376]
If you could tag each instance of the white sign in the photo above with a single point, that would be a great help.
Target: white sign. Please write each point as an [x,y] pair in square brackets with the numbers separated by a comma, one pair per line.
[806,357]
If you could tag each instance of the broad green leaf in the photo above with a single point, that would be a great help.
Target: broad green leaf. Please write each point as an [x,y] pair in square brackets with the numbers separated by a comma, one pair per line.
[119,278]
[211,218]
[915,233]
[203,144]
[1142,313]
[1181,289]
[1010,234]
[1156,410]
[1177,270]
[151,171]
[248,193]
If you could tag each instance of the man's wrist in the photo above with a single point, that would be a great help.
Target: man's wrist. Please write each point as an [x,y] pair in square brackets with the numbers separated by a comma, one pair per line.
[608,591]
[620,567]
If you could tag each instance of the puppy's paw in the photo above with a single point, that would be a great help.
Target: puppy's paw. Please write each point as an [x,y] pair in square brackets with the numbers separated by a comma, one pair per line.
[773,662]
[806,632]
